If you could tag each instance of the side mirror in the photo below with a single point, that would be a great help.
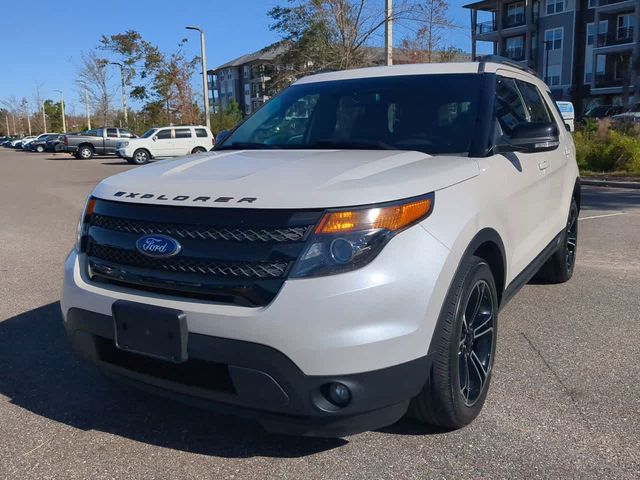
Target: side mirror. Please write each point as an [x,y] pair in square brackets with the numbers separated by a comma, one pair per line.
[530,138]
[154,138]
[222,134]
[568,127]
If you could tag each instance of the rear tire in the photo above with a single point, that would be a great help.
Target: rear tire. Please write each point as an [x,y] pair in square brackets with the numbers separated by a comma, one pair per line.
[559,268]
[140,157]
[463,346]
[85,152]
[198,150]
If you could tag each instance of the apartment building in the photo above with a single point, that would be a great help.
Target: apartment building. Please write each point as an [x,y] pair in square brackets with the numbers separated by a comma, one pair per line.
[585,50]
[244,79]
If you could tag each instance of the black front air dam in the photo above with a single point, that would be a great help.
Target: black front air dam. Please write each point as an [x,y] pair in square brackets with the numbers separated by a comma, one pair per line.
[254,381]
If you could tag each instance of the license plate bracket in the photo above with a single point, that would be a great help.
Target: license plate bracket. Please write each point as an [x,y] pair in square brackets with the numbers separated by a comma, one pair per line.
[150,330]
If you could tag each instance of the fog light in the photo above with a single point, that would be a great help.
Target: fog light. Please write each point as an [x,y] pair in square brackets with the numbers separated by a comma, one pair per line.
[341,250]
[339,394]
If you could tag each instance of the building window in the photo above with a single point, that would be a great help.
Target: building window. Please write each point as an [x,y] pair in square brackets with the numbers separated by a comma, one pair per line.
[591,32]
[555,6]
[515,14]
[621,67]
[593,3]
[514,48]
[626,23]
[553,75]
[553,39]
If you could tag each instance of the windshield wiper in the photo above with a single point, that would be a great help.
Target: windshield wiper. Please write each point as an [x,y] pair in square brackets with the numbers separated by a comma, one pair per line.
[246,146]
[355,144]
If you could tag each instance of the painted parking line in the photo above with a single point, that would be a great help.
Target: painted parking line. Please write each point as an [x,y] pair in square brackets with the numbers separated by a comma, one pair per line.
[602,216]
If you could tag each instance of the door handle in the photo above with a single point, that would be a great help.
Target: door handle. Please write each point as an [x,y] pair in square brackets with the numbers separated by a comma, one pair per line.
[543,164]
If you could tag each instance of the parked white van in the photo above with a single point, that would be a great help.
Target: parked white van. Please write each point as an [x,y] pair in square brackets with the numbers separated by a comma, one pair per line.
[173,141]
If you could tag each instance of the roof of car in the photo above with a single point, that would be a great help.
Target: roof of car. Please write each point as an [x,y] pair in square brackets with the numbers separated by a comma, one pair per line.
[413,69]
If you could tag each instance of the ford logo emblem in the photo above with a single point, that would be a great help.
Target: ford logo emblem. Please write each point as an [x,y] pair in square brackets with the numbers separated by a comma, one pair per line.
[158,246]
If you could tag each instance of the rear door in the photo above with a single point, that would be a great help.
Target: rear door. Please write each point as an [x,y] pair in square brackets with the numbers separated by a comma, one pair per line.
[183,141]
[111,140]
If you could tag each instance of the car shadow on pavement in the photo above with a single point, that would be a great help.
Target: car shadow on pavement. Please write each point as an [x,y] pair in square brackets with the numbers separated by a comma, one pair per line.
[613,199]
[40,373]
[123,162]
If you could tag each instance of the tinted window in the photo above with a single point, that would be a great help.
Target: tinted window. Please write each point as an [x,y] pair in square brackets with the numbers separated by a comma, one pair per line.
[163,134]
[112,132]
[149,133]
[183,132]
[510,111]
[410,112]
[536,107]
[201,132]
[126,133]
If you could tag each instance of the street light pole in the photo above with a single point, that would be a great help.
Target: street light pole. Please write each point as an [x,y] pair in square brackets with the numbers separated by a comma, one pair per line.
[205,86]
[124,95]
[64,123]
[44,119]
[388,39]
[86,108]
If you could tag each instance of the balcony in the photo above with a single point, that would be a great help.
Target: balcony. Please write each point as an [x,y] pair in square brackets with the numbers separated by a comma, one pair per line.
[485,27]
[516,54]
[510,21]
[620,36]
[611,6]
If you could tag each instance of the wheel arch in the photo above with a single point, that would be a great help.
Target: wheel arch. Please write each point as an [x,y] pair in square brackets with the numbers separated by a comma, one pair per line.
[577,193]
[487,244]
[145,149]
[86,144]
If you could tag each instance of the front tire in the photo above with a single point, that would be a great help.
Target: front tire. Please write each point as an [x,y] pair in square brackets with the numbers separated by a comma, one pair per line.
[39,149]
[463,346]
[140,157]
[559,268]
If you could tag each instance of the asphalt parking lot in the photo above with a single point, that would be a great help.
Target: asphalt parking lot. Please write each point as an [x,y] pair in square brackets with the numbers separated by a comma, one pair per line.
[564,400]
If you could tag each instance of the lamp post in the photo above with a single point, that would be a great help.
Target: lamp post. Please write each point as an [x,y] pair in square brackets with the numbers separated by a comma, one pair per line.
[388,38]
[547,47]
[124,95]
[64,123]
[205,87]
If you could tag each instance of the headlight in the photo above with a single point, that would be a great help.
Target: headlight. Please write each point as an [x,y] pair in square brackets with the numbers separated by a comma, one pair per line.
[83,223]
[349,239]
[122,144]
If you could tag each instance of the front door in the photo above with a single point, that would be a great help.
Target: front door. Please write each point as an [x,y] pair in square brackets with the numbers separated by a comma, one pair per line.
[163,145]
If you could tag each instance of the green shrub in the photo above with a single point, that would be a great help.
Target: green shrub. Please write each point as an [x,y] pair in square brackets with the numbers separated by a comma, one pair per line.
[602,149]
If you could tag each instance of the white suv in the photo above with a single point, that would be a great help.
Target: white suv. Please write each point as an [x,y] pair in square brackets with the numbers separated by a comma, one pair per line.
[340,259]
[166,142]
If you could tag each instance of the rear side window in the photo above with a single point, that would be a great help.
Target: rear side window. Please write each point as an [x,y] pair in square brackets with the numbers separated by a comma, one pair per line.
[537,109]
[201,132]
[164,134]
[183,132]
[510,110]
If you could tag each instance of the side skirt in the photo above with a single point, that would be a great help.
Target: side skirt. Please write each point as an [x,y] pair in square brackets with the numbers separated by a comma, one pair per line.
[530,270]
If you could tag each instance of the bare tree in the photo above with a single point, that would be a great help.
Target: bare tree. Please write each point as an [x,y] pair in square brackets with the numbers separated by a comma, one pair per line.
[433,22]
[95,78]
[12,106]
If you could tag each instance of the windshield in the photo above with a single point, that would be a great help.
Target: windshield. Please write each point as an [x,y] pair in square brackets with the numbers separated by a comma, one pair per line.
[149,133]
[435,114]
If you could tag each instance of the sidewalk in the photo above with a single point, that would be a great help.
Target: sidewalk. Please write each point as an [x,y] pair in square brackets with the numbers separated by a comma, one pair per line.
[610,182]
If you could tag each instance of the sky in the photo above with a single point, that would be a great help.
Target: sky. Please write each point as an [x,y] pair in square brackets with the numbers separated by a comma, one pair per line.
[42,46]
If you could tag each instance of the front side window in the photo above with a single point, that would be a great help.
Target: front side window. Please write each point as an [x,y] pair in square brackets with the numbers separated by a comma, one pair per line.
[126,133]
[163,134]
[435,114]
[510,109]
[534,103]
[112,132]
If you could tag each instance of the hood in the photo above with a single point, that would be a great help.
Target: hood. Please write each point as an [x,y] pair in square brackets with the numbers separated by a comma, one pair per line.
[287,178]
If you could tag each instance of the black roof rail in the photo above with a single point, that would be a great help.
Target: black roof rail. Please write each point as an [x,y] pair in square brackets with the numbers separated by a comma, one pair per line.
[504,61]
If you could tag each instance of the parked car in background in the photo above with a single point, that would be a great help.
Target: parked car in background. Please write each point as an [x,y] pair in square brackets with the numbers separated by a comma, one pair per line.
[38,144]
[632,114]
[568,114]
[166,142]
[27,145]
[12,143]
[55,144]
[19,144]
[100,141]
[603,111]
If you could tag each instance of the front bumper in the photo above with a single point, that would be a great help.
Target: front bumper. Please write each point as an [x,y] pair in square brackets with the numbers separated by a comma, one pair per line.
[369,329]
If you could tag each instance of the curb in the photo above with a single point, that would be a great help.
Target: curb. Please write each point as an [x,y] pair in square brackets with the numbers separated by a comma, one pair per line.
[609,183]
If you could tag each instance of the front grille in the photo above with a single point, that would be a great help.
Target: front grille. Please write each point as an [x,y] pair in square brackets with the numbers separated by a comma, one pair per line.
[229,255]
[293,234]
[188,265]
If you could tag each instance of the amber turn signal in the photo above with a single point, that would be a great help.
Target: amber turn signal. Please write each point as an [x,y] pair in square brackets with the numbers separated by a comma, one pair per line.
[394,217]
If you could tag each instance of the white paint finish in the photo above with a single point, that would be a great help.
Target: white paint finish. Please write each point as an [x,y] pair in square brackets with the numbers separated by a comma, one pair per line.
[292,178]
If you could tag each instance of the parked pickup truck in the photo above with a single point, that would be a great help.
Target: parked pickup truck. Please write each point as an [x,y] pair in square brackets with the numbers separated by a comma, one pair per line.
[99,141]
